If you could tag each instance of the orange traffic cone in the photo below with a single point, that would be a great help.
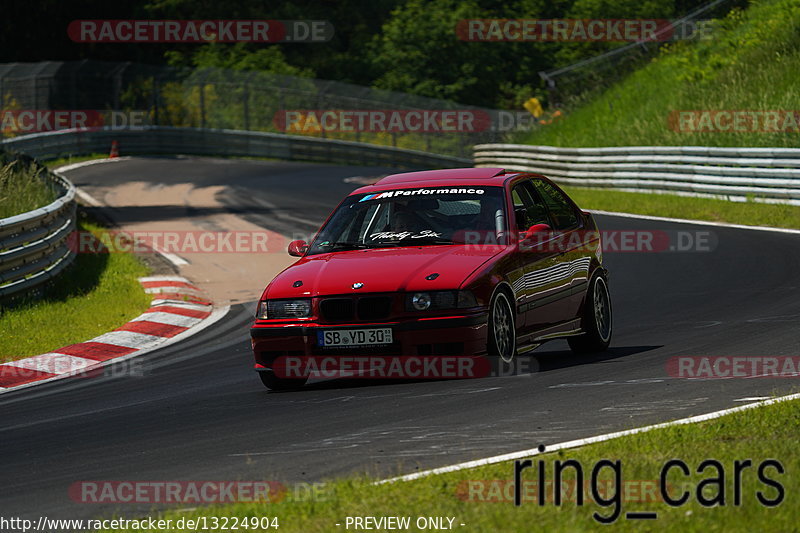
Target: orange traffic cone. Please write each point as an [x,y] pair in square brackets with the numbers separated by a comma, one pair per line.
[114,150]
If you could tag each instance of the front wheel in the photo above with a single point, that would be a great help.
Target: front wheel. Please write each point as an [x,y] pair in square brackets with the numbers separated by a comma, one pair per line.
[597,319]
[273,382]
[502,333]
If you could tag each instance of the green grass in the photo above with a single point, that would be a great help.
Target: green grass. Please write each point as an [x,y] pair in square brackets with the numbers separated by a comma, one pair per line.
[764,433]
[751,63]
[668,205]
[23,188]
[95,295]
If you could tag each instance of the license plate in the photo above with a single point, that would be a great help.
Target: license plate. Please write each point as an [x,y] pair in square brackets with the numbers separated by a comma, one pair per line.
[354,337]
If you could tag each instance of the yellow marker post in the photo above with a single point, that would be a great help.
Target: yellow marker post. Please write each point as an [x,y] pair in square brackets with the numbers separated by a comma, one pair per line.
[534,107]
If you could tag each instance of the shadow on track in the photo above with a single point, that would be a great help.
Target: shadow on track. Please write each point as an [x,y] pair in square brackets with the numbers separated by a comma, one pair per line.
[525,365]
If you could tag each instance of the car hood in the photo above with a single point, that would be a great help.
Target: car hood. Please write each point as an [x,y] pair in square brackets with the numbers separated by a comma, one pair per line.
[381,270]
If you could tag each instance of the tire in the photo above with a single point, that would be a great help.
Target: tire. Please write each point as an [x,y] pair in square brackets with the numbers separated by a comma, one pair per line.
[502,331]
[597,322]
[272,382]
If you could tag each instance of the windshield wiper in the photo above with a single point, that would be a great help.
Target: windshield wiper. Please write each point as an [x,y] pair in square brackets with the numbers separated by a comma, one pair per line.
[346,244]
[352,245]
[429,240]
[420,241]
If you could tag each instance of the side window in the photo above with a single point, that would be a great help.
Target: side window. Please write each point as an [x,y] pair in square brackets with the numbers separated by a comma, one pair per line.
[561,211]
[519,207]
[529,210]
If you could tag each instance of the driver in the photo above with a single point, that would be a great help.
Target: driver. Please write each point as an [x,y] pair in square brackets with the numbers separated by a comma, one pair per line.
[404,221]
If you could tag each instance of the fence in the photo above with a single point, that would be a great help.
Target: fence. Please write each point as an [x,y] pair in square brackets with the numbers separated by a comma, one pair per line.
[212,98]
[34,246]
[764,174]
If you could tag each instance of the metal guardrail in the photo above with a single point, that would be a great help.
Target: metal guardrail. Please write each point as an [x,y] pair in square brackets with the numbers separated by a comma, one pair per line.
[161,140]
[34,246]
[216,98]
[765,174]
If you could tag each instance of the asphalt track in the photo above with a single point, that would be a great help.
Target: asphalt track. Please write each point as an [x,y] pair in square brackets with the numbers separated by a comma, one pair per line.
[200,413]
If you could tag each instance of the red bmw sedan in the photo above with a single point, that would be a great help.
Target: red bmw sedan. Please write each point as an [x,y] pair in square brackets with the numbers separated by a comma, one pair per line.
[473,261]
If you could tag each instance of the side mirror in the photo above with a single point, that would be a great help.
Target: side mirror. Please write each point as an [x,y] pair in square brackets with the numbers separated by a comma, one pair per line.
[298,248]
[536,232]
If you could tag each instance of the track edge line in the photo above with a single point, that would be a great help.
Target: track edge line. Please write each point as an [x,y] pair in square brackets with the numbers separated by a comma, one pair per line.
[588,440]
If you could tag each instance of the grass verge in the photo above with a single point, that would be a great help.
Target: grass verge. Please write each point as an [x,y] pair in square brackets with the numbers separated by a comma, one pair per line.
[482,498]
[23,188]
[750,63]
[670,205]
[95,295]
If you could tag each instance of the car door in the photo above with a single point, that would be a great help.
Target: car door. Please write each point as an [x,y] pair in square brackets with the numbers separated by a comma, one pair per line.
[575,257]
[542,295]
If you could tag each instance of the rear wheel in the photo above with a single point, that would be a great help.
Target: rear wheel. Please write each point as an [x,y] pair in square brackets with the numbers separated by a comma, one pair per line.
[273,382]
[502,333]
[597,321]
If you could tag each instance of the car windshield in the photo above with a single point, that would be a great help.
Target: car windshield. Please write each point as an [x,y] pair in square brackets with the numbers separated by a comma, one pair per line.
[416,217]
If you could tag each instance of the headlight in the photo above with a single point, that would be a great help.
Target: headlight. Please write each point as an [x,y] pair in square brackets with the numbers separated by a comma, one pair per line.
[422,301]
[284,308]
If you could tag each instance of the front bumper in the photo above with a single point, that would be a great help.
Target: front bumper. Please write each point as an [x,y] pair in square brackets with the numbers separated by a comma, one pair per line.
[452,335]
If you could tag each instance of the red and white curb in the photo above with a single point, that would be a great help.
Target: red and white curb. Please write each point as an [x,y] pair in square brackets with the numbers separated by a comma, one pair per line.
[178,310]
